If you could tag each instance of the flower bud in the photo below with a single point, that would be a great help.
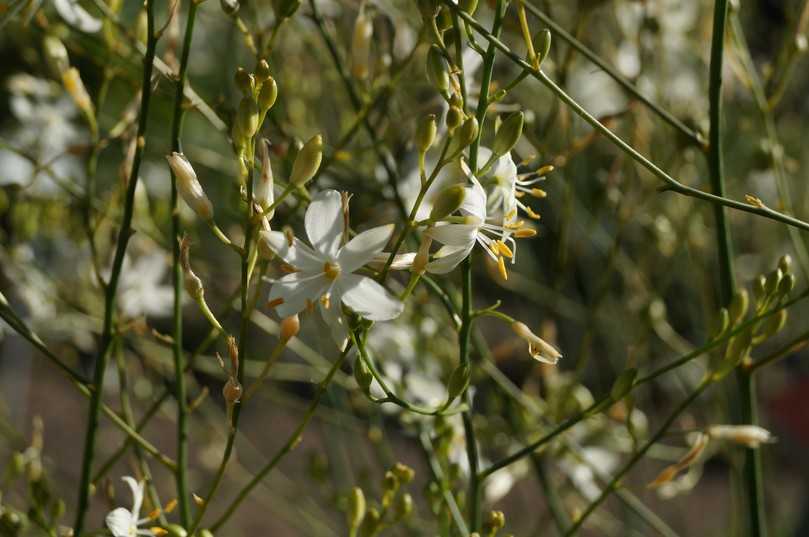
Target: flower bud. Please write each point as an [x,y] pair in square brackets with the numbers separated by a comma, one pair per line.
[468,6]
[623,384]
[426,132]
[772,325]
[262,73]
[454,118]
[232,391]
[189,187]
[75,87]
[785,263]
[56,54]
[437,72]
[403,507]
[738,306]
[538,348]
[737,350]
[267,95]
[307,161]
[759,287]
[356,508]
[284,9]
[508,134]
[205,533]
[363,376]
[247,117]
[230,7]
[495,522]
[361,45]
[447,202]
[403,472]
[787,284]
[175,530]
[722,323]
[773,279]
[751,436]
[290,327]
[543,42]
[458,381]
[245,81]
[263,193]
[687,460]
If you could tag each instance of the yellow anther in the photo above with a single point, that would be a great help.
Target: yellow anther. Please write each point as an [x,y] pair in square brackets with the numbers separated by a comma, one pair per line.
[515,225]
[511,214]
[546,169]
[331,270]
[530,212]
[325,301]
[158,531]
[525,232]
[501,266]
[519,194]
[286,268]
[170,506]
[153,514]
[538,193]
[504,250]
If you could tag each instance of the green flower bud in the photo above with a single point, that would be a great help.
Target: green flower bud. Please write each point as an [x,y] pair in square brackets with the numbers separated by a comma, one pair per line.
[787,284]
[247,117]
[356,508]
[543,44]
[262,71]
[738,348]
[268,94]
[245,81]
[495,522]
[205,533]
[773,279]
[175,530]
[403,472]
[55,54]
[230,7]
[738,306]
[425,132]
[722,322]
[468,6]
[444,19]
[307,162]
[447,202]
[469,131]
[284,9]
[363,376]
[759,287]
[371,522]
[454,118]
[403,507]
[437,72]
[508,134]
[458,381]
[785,263]
[623,384]
[772,325]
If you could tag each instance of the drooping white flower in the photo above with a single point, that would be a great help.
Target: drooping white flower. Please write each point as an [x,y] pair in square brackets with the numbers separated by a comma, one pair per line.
[507,188]
[751,436]
[325,272]
[124,522]
[538,348]
[76,16]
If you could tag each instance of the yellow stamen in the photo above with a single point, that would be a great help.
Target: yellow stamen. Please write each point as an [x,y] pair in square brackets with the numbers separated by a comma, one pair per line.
[538,193]
[331,270]
[530,212]
[501,266]
[504,250]
[275,303]
[511,214]
[519,194]
[515,225]
[525,232]
[170,506]
[198,500]
[286,268]
[158,531]
[153,514]
[546,169]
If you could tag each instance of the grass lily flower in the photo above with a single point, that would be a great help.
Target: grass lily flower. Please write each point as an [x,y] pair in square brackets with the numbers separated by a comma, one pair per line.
[123,522]
[325,272]
[751,436]
[508,188]
[540,350]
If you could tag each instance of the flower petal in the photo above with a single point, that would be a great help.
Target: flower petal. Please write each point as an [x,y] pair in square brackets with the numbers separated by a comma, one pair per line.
[474,202]
[362,248]
[119,522]
[369,299]
[400,261]
[137,494]
[77,16]
[296,292]
[299,255]
[333,316]
[324,222]
[454,234]
[447,258]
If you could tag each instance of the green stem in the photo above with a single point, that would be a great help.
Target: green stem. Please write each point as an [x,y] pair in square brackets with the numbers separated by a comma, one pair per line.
[181,476]
[124,234]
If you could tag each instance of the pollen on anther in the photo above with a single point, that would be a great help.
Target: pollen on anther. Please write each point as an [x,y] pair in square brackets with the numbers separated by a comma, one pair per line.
[501,266]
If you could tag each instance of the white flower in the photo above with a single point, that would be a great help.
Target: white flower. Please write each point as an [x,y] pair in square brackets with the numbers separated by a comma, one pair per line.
[77,16]
[538,348]
[123,522]
[751,436]
[324,273]
[507,188]
[142,291]
[459,238]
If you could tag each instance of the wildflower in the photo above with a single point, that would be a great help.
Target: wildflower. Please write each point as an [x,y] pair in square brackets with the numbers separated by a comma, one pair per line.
[324,273]
[538,348]
[687,460]
[77,16]
[751,436]
[189,187]
[123,522]
[507,188]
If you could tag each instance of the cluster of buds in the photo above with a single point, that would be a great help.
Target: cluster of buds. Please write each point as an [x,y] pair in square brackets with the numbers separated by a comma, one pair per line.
[394,506]
[232,390]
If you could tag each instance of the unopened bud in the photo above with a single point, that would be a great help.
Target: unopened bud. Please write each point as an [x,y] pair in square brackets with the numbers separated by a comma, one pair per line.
[175,530]
[759,287]
[403,507]
[189,187]
[232,391]
[268,94]
[458,381]
[508,134]
[543,44]
[786,285]
[538,348]
[495,522]
[773,279]
[230,7]
[772,325]
[307,161]
[468,6]
[623,384]
[56,54]
[426,132]
[751,436]
[290,327]
[263,193]
[403,472]
[75,87]
[437,72]
[245,81]
[363,376]
[284,9]
[205,533]
[454,118]
[447,202]
[738,306]
[361,45]
[262,71]
[785,263]
[247,117]
[356,508]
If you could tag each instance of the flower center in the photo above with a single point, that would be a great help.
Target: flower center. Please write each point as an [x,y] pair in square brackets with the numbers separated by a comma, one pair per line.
[331,270]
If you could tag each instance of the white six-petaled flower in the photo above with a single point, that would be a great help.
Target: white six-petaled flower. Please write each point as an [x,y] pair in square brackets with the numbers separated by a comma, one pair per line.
[324,273]
[123,522]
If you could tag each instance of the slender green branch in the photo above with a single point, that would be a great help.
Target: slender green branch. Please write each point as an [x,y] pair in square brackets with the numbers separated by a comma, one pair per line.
[181,476]
[670,183]
[438,475]
[124,234]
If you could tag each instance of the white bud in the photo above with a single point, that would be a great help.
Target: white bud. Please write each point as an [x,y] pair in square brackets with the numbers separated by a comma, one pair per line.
[361,45]
[539,349]
[751,436]
[189,187]
[263,194]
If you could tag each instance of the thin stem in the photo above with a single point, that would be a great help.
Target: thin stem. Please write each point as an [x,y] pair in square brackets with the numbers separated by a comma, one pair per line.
[181,476]
[288,446]
[438,475]
[796,345]
[124,234]
[670,183]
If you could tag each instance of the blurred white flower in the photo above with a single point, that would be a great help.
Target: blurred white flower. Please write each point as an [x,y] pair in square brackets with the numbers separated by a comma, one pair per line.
[124,522]
[141,291]
[76,16]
